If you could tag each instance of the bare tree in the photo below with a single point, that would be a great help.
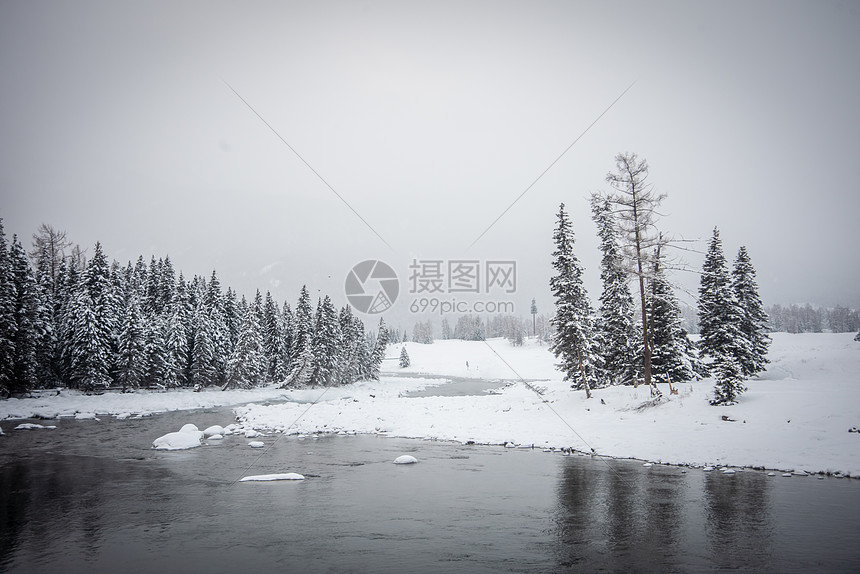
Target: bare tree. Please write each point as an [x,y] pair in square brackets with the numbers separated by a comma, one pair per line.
[53,243]
[634,203]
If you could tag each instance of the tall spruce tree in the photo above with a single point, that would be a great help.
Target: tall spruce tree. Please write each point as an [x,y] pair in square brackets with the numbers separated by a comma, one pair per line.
[378,354]
[93,318]
[132,343]
[247,364]
[27,318]
[720,318]
[615,330]
[7,317]
[573,342]
[754,320]
[272,339]
[326,343]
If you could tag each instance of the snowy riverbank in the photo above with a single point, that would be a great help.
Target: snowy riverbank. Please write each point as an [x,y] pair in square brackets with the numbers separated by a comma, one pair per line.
[796,417]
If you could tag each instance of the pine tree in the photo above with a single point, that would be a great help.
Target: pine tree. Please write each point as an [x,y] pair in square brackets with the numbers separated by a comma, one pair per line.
[673,355]
[131,347]
[156,353]
[720,318]
[754,320]
[615,331]
[26,314]
[378,353]
[272,339]
[326,342]
[92,318]
[573,342]
[404,358]
[8,326]
[303,326]
[47,357]
[247,365]
[729,380]
[203,369]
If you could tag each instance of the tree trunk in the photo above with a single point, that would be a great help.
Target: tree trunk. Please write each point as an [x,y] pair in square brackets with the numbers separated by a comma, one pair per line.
[584,380]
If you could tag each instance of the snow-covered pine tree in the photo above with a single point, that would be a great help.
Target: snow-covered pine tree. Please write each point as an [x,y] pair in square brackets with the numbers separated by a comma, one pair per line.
[404,358]
[446,329]
[720,318]
[203,369]
[156,354]
[615,330]
[27,320]
[378,353]
[272,339]
[287,328]
[177,340]
[573,342]
[132,343]
[246,367]
[92,318]
[7,318]
[47,358]
[326,343]
[754,320]
[304,323]
[673,354]
[233,317]
[729,380]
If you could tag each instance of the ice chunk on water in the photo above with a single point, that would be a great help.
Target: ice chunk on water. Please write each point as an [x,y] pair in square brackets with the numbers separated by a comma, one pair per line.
[33,426]
[256,444]
[178,440]
[405,459]
[268,477]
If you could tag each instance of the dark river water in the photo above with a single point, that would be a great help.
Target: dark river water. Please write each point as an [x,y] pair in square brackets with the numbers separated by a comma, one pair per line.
[94,497]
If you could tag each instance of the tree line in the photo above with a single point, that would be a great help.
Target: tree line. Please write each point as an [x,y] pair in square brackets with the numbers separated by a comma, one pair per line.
[90,325]
[629,340]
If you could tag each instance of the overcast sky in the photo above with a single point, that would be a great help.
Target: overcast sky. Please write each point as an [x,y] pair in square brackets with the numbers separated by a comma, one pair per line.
[429,119]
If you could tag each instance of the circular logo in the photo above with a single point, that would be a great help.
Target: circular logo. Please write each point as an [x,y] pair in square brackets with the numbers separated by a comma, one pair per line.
[372,287]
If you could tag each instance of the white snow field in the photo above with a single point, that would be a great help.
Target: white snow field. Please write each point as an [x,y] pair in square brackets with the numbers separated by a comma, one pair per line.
[795,417]
[74,404]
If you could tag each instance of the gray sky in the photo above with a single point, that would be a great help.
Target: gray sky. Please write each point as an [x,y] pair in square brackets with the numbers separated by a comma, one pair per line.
[429,118]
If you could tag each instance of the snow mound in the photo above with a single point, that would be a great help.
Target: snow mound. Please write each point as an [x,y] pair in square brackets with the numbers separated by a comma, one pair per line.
[215,436]
[256,444]
[269,477]
[86,417]
[187,437]
[213,430]
[729,471]
[33,426]
[252,434]
[405,459]
[647,465]
[708,469]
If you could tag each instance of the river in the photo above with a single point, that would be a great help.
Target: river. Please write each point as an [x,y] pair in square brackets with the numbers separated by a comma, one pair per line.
[92,496]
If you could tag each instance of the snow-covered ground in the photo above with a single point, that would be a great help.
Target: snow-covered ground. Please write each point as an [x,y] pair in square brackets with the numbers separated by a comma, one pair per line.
[795,417]
[74,404]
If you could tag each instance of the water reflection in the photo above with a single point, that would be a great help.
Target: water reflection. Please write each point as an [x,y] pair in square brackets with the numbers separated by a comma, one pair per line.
[614,516]
[739,519]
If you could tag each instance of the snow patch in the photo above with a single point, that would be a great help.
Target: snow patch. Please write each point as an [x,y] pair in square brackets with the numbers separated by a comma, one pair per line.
[256,444]
[33,426]
[405,459]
